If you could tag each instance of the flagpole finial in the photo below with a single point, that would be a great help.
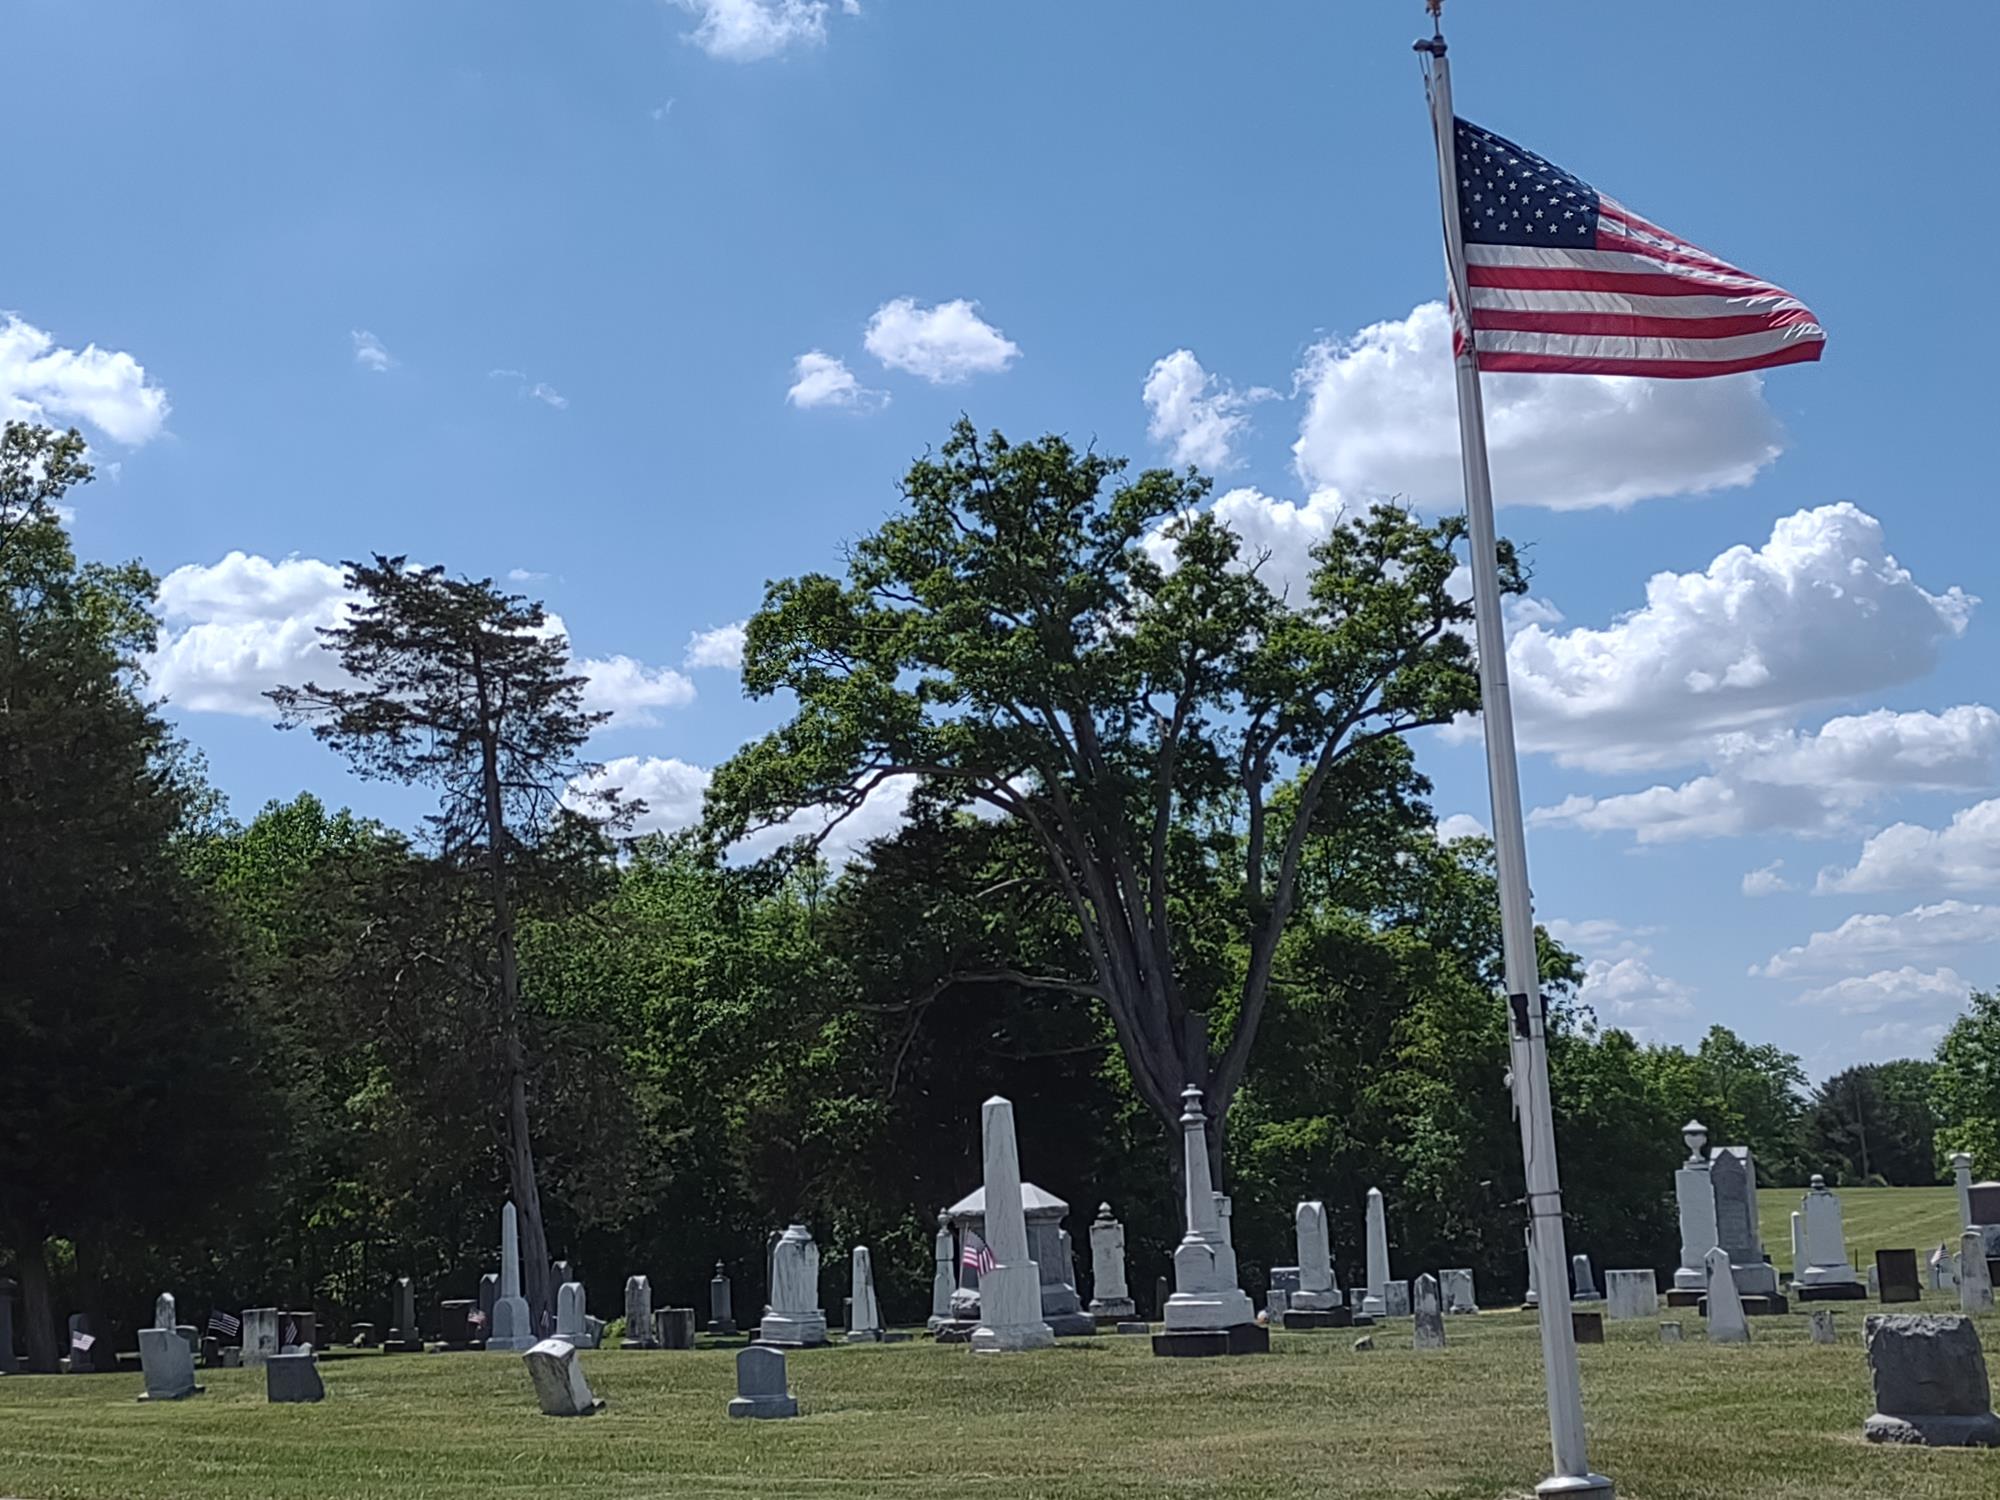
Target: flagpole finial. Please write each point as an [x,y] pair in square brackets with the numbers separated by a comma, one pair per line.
[1434,43]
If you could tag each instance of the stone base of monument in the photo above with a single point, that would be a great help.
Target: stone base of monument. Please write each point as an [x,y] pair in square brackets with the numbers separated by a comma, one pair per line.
[792,1330]
[1830,1291]
[721,1328]
[1306,1319]
[863,1336]
[1117,1310]
[394,1345]
[1070,1325]
[1135,1327]
[1681,1296]
[1755,1305]
[1200,1343]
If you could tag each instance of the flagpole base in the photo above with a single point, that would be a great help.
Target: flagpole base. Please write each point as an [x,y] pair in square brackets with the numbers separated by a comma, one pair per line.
[1568,1486]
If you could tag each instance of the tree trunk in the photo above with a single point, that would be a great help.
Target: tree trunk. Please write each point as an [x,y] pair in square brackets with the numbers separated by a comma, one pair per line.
[38,1306]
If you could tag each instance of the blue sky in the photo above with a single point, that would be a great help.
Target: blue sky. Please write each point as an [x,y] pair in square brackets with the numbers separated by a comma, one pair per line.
[528,289]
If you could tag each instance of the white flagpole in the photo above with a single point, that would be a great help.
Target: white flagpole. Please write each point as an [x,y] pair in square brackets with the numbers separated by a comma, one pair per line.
[1517,923]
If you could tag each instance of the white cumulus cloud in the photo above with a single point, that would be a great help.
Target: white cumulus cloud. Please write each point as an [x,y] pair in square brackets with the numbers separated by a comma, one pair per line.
[1917,936]
[369,352]
[1820,612]
[1627,990]
[629,690]
[1381,419]
[1964,855]
[1460,826]
[1890,989]
[1194,415]
[944,344]
[1767,881]
[721,648]
[822,379]
[753,30]
[105,389]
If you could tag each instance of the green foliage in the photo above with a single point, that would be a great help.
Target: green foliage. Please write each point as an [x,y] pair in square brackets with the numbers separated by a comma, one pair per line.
[1875,1125]
[1747,1094]
[1966,1086]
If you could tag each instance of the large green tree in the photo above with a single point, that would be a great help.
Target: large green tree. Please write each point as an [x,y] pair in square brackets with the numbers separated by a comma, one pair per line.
[1875,1124]
[1102,662]
[130,1080]
[464,689]
[1966,1086]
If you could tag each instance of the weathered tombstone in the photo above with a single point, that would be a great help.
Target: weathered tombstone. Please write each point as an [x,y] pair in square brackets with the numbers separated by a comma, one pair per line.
[298,1330]
[1427,1304]
[1961,1175]
[560,1273]
[512,1326]
[361,1336]
[1983,1203]
[1395,1299]
[1110,1299]
[163,1311]
[1317,1291]
[1586,1327]
[1284,1279]
[1944,1270]
[1583,1280]
[1733,1174]
[721,1306]
[1456,1283]
[489,1293]
[638,1314]
[84,1355]
[1374,1303]
[456,1329]
[1798,1246]
[1670,1333]
[572,1317]
[1208,1314]
[864,1323]
[944,1274]
[795,1318]
[1276,1301]
[1826,1275]
[260,1335]
[1010,1294]
[1820,1321]
[1896,1276]
[403,1336]
[1726,1322]
[1975,1281]
[1695,1196]
[673,1328]
[167,1364]
[760,1385]
[1930,1382]
[1631,1294]
[293,1377]
[558,1377]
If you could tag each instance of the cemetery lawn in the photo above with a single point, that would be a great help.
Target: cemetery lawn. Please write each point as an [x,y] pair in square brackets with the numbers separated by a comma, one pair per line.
[1096,1418]
[1908,1218]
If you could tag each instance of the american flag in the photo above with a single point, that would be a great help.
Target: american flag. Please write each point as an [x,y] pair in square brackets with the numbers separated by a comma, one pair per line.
[976,1257]
[226,1324]
[1565,281]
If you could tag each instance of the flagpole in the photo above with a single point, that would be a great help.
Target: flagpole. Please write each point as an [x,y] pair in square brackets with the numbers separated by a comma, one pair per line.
[1527,1021]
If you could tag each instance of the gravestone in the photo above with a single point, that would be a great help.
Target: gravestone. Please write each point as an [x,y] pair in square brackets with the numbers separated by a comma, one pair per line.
[944,1274]
[721,1304]
[1631,1294]
[1427,1305]
[1896,1276]
[361,1336]
[1586,1327]
[84,1356]
[673,1328]
[1695,1196]
[403,1337]
[1456,1282]
[511,1327]
[560,1273]
[1983,1201]
[1826,1276]
[1820,1320]
[795,1319]
[167,1364]
[864,1320]
[1284,1279]
[1670,1333]
[456,1329]
[1010,1294]
[572,1317]
[558,1377]
[1311,1295]
[260,1335]
[1208,1314]
[1975,1281]
[293,1377]
[297,1330]
[1726,1321]
[1798,1247]
[1733,1174]
[1961,1176]
[1374,1303]
[489,1293]
[1162,1290]
[1583,1281]
[163,1311]
[760,1385]
[1944,1270]
[1110,1298]
[1276,1300]
[638,1314]
[1930,1382]
[1396,1299]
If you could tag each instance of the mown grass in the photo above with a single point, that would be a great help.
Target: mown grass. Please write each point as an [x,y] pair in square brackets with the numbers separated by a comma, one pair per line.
[1098,1417]
[1875,1219]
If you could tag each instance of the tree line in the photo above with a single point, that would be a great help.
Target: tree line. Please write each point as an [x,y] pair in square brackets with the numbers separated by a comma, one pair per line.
[1167,827]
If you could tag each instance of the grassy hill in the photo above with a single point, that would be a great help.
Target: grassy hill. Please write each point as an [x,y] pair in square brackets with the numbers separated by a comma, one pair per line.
[1876,1219]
